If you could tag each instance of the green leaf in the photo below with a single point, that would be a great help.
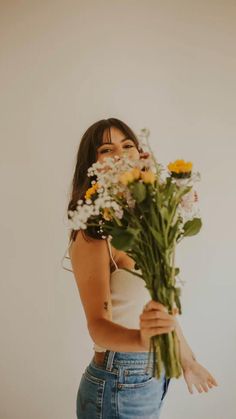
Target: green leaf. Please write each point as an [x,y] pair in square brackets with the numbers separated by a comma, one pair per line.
[139,192]
[165,213]
[158,237]
[173,232]
[168,192]
[123,239]
[192,227]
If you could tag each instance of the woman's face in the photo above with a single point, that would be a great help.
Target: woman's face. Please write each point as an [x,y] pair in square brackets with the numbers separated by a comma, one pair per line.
[119,146]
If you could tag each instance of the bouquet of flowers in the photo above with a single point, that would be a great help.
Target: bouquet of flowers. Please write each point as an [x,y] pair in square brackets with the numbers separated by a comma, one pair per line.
[147,209]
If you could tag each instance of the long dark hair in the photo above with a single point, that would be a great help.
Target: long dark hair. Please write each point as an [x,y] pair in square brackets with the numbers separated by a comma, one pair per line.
[87,155]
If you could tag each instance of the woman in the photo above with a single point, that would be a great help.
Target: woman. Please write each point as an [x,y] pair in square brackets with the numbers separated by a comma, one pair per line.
[121,318]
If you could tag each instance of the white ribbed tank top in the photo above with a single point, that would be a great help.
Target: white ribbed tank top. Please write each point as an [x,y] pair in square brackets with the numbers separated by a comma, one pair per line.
[128,296]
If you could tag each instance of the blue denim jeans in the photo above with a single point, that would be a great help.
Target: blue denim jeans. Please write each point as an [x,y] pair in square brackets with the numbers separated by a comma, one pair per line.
[122,388]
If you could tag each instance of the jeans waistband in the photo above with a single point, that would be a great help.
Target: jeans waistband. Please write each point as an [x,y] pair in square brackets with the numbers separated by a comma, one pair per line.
[113,358]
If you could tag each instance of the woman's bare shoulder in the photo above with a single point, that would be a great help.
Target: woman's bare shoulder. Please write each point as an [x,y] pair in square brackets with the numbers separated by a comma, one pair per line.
[84,240]
[85,248]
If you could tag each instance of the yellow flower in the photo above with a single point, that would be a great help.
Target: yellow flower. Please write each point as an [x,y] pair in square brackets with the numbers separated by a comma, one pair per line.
[136,172]
[92,190]
[180,166]
[148,176]
[106,214]
[126,178]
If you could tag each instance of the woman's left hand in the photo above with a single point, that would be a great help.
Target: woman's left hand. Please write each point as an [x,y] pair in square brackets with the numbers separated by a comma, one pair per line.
[195,374]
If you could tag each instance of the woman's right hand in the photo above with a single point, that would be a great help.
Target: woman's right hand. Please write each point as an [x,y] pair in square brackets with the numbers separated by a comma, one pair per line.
[155,320]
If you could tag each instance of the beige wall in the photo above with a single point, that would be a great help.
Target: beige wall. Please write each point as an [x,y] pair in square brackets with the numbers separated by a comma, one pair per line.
[166,65]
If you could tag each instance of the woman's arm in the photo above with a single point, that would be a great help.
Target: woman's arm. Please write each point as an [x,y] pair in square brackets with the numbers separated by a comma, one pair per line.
[91,266]
[187,357]
[115,337]
[194,373]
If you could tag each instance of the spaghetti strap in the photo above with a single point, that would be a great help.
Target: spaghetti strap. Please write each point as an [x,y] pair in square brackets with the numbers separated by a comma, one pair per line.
[109,247]
[66,258]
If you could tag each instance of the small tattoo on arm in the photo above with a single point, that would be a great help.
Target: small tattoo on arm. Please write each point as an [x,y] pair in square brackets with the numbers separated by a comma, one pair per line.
[105,305]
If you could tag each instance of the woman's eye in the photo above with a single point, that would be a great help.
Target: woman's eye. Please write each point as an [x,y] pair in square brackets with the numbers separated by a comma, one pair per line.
[104,150]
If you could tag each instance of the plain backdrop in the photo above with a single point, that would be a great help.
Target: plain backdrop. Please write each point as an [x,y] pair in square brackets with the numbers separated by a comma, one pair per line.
[166,65]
